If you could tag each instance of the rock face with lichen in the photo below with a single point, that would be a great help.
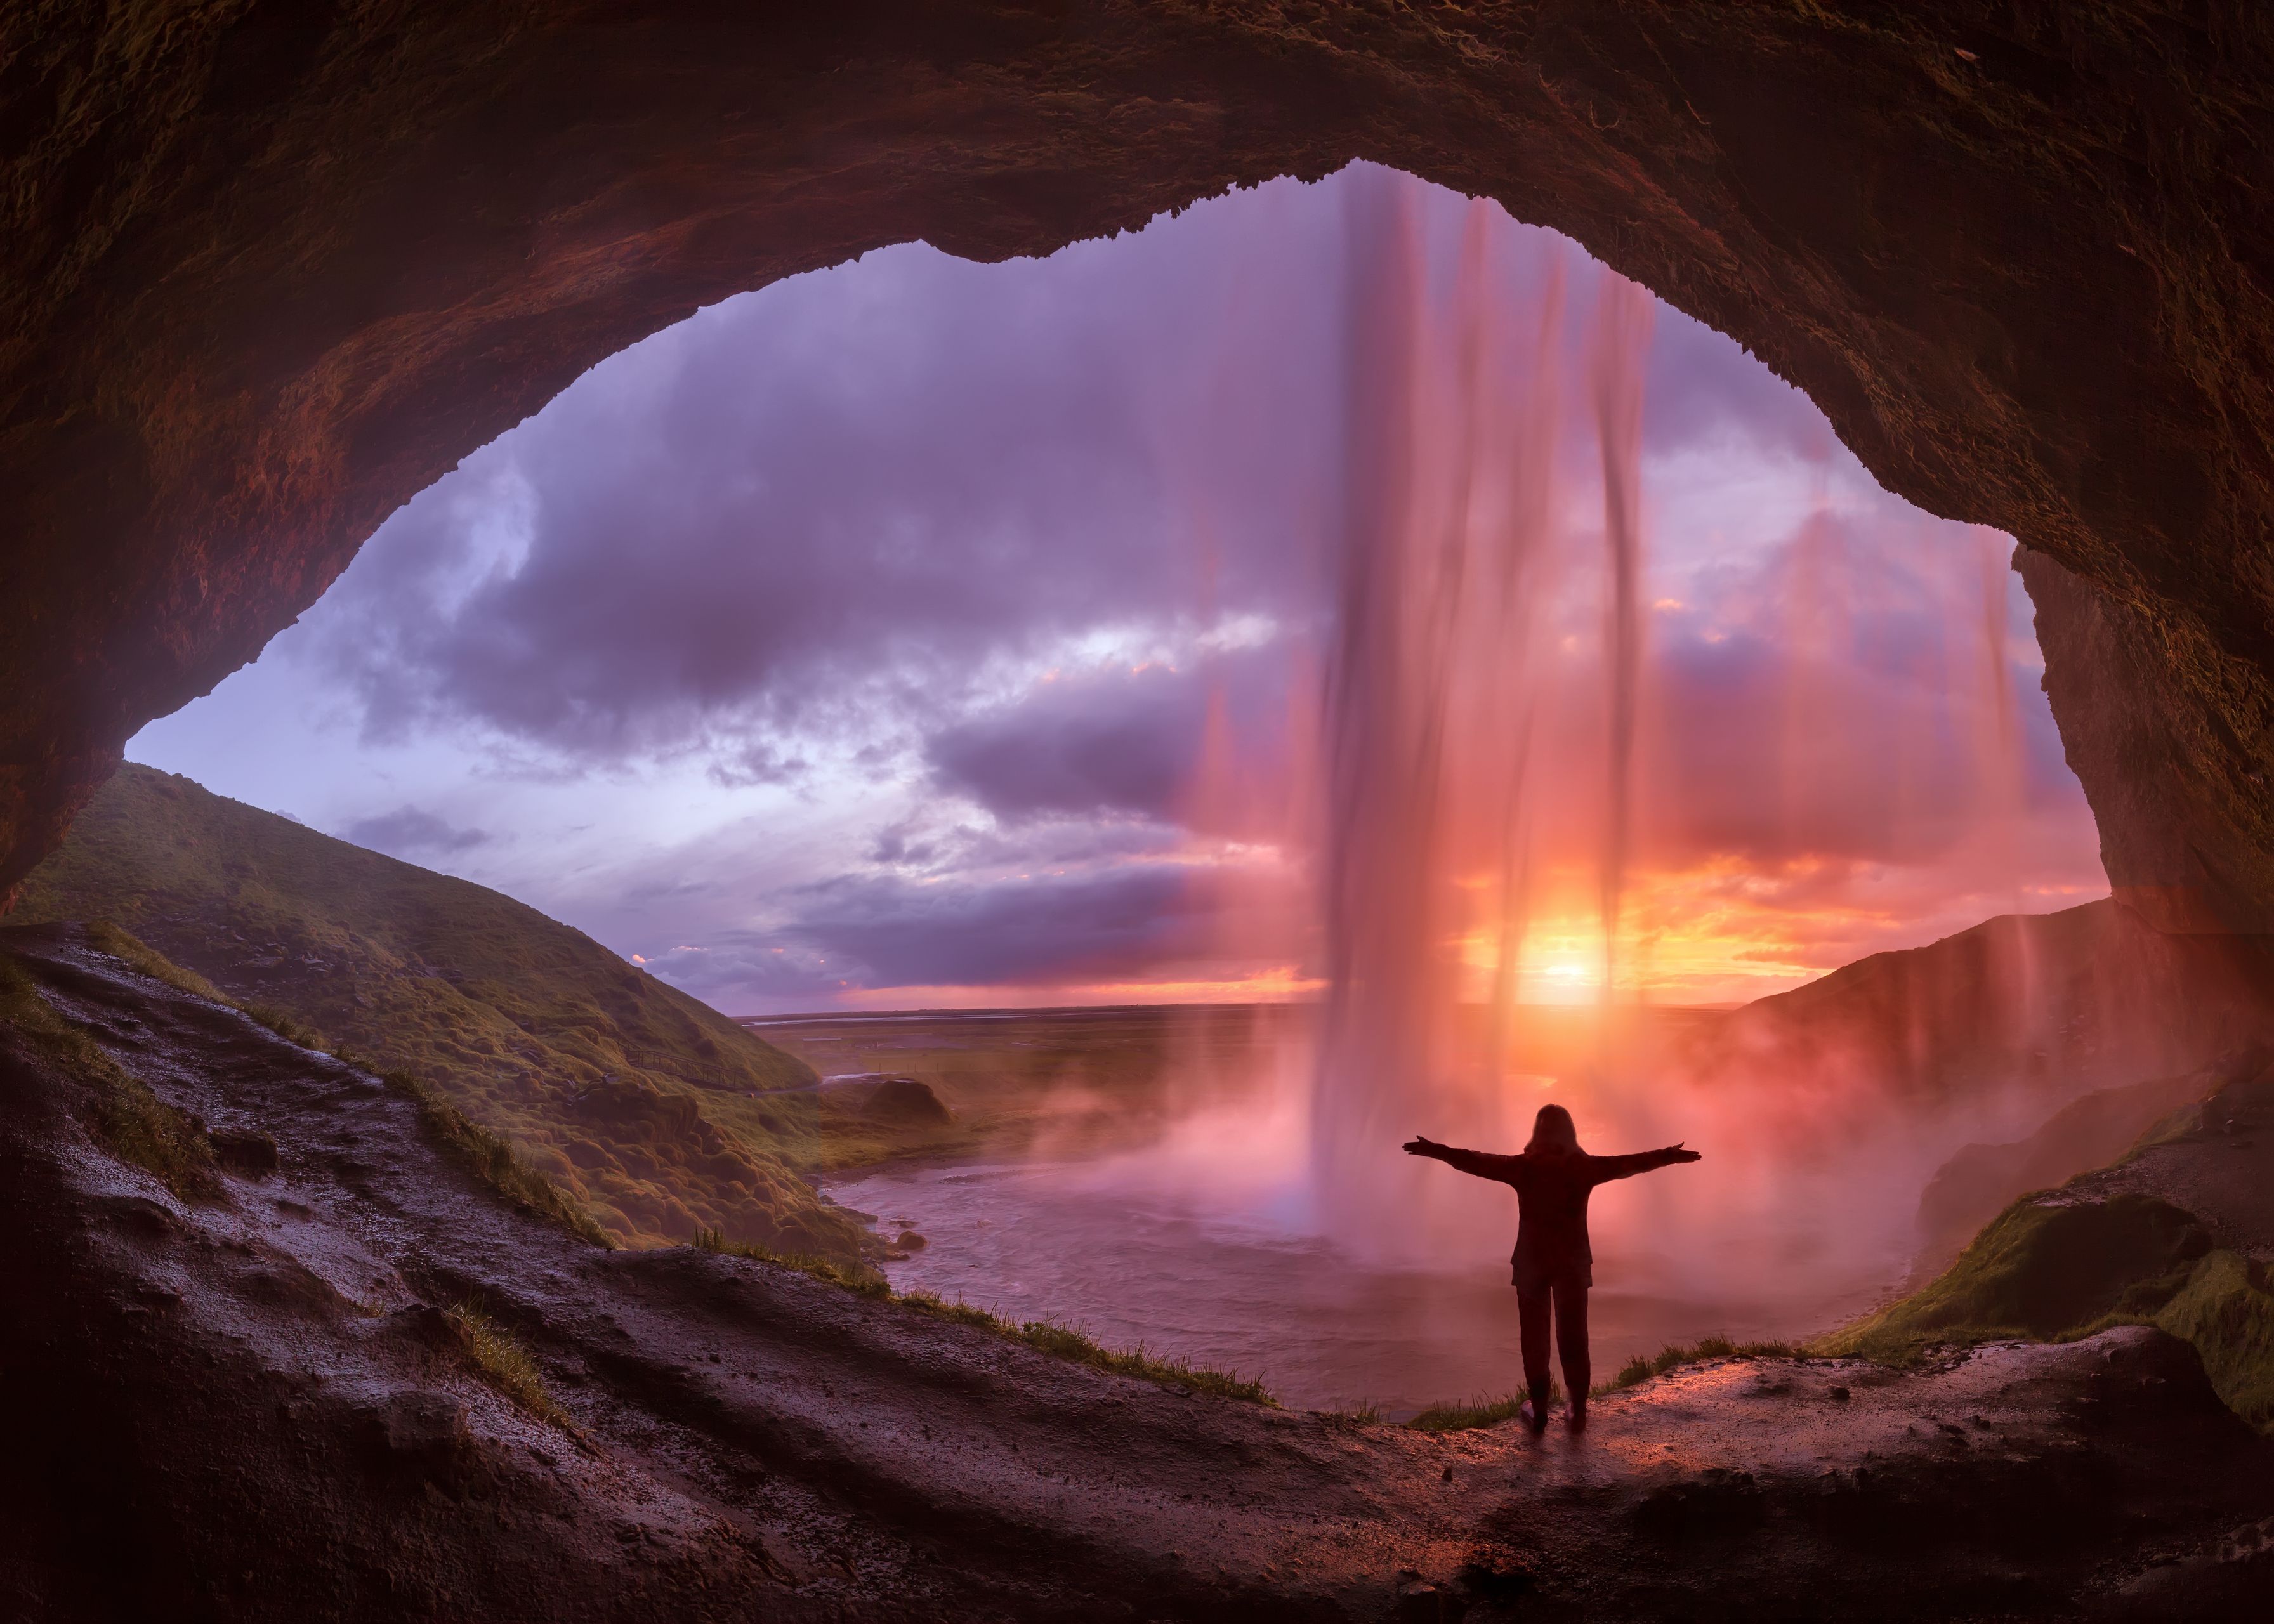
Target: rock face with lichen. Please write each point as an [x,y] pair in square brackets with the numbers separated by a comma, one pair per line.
[267,270]
[2179,802]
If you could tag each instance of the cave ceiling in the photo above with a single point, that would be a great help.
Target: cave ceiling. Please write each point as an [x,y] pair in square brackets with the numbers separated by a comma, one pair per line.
[272,268]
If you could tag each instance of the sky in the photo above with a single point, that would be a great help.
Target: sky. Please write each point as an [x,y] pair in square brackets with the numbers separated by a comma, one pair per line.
[919,633]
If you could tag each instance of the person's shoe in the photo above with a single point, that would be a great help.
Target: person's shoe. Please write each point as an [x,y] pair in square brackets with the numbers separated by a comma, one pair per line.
[1578,1415]
[1536,1414]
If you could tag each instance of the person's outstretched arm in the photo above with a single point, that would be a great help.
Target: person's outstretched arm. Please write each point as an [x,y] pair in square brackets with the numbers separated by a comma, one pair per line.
[1481,1164]
[1608,1167]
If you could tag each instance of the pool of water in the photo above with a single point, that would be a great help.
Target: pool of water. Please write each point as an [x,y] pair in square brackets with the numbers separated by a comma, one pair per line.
[1238,1287]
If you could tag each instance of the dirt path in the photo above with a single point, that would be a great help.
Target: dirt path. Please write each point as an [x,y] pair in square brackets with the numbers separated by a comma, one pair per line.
[251,1409]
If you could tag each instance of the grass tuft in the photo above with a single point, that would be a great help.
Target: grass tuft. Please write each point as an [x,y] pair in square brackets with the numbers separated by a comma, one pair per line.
[282,1023]
[106,936]
[495,1161]
[505,1364]
[1642,1367]
[854,1276]
[131,1122]
[1072,1343]
[1478,1413]
[957,1312]
[1456,1417]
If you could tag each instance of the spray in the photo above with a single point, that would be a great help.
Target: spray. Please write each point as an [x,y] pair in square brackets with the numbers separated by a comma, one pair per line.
[1443,562]
[1622,336]
[1482,719]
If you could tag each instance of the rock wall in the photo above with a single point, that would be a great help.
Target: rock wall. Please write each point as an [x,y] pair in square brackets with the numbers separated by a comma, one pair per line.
[2180,797]
[268,268]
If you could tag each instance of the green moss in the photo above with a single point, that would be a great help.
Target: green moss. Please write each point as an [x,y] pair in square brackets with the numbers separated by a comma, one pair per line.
[656,1114]
[2226,1310]
[2066,1264]
[2046,1268]
[117,1108]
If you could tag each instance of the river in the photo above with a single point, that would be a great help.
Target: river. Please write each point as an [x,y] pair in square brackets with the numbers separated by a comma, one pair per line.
[1238,1286]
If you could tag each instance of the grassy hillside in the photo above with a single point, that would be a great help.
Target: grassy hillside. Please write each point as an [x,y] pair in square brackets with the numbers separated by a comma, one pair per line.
[2175,1234]
[653,1110]
[1979,1181]
[2085,998]
[2061,1264]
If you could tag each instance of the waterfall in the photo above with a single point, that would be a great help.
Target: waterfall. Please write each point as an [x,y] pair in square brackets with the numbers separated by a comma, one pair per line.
[1452,428]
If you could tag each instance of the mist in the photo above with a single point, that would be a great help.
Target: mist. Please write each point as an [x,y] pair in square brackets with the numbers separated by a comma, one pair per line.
[1497,766]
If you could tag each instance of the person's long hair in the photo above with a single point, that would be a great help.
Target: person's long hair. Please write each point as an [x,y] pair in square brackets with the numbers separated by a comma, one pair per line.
[1554,1131]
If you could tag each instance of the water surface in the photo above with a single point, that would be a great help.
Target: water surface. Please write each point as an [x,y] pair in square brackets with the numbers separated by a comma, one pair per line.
[1236,1289]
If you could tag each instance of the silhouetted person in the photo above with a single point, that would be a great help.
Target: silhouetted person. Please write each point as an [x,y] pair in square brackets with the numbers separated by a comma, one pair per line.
[1553,1264]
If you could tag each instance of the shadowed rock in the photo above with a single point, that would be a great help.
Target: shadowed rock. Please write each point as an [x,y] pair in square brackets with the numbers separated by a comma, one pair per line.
[891,1101]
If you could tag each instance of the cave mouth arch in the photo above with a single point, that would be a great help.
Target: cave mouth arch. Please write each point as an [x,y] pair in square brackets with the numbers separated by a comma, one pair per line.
[588,599]
[1002,594]
[273,276]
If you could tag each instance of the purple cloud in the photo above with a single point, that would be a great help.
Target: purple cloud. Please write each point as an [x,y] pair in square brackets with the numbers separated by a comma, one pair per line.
[407,832]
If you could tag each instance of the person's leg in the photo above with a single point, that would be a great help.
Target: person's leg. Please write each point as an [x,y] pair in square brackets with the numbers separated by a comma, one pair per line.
[1571,1342]
[1532,1311]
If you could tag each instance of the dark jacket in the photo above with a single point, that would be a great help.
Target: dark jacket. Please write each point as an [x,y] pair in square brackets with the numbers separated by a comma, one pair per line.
[1551,1202]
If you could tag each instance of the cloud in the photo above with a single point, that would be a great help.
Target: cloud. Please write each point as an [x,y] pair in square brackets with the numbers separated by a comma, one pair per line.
[842,503]
[407,832]
[1025,930]
[1107,746]
[1029,930]
[1118,741]
[951,619]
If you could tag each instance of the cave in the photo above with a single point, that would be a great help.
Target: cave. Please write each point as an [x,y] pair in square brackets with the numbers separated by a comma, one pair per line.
[274,270]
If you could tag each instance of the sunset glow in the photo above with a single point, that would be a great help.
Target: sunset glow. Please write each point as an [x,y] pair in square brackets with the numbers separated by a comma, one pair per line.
[1044,724]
